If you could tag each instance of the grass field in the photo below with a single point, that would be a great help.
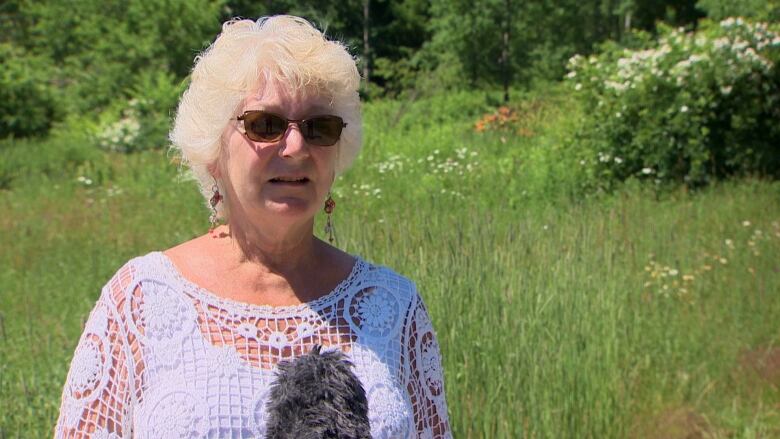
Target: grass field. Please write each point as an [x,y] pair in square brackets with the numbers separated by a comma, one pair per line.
[634,314]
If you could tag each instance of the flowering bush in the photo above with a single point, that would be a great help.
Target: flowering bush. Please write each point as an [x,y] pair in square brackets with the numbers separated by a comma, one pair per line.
[122,134]
[521,119]
[503,118]
[683,108]
[143,121]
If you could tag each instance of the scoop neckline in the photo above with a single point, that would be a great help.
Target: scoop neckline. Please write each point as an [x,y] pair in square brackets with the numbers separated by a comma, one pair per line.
[213,298]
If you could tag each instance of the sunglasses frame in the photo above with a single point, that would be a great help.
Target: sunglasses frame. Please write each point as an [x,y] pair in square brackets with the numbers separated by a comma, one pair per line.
[298,122]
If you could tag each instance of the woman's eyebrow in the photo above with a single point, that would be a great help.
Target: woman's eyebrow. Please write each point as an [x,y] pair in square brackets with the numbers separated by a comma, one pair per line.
[264,107]
[319,109]
[281,110]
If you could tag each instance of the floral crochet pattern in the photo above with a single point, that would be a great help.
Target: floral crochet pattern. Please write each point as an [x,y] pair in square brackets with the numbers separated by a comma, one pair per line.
[163,314]
[87,373]
[375,312]
[176,414]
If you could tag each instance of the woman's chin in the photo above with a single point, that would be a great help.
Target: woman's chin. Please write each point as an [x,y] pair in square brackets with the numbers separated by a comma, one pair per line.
[289,206]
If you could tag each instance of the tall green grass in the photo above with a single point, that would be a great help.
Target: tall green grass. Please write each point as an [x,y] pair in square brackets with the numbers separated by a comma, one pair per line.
[538,296]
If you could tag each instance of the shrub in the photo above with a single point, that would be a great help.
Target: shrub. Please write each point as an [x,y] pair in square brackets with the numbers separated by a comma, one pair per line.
[141,122]
[767,10]
[686,107]
[101,46]
[26,97]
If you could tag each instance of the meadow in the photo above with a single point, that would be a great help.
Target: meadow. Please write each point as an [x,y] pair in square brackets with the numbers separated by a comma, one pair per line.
[560,313]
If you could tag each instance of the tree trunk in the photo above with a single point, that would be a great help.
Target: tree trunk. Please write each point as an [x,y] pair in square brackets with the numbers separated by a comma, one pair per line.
[366,45]
[627,22]
[505,50]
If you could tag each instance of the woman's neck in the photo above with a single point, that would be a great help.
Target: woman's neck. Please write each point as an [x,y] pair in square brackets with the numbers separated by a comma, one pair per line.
[271,251]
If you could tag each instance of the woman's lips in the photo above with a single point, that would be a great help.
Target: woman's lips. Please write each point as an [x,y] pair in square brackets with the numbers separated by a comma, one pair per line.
[289,181]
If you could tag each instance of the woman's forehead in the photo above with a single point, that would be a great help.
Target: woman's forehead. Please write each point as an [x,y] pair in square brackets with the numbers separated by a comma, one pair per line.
[274,97]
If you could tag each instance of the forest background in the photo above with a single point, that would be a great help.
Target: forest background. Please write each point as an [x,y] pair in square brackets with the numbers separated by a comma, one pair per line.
[596,227]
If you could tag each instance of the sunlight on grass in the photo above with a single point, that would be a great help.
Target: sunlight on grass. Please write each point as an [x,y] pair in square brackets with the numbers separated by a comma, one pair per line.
[557,317]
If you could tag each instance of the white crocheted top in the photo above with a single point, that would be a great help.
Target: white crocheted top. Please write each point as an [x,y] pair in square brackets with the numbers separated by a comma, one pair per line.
[161,357]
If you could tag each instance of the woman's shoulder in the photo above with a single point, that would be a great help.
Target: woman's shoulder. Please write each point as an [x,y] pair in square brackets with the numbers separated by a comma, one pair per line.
[383,281]
[150,266]
[385,275]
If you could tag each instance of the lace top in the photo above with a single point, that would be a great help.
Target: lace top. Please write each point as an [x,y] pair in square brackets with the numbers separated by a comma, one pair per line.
[161,357]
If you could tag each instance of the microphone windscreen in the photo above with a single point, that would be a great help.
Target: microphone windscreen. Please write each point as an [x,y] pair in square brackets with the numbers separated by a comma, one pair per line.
[317,396]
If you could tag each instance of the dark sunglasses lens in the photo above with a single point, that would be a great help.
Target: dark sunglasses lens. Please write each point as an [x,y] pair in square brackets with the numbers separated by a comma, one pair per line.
[264,127]
[322,130]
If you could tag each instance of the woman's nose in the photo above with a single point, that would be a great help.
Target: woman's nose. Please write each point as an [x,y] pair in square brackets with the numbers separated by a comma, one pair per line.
[293,143]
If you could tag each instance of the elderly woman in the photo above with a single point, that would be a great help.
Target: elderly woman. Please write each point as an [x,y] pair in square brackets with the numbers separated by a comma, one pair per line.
[184,343]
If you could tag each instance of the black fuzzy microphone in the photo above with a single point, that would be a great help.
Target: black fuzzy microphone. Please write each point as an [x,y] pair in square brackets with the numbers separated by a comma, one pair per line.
[317,396]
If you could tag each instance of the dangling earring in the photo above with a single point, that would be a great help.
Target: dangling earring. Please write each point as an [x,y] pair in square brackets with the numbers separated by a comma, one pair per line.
[215,199]
[329,206]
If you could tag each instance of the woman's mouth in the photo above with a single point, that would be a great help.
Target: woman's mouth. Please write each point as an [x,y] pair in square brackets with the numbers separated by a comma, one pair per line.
[289,181]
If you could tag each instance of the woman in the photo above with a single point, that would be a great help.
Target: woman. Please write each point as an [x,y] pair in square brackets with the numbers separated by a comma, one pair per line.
[185,342]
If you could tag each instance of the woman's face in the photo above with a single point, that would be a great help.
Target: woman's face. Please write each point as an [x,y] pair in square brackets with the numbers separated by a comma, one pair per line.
[284,182]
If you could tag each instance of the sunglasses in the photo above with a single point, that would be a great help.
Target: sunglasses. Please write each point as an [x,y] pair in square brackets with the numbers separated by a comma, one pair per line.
[262,126]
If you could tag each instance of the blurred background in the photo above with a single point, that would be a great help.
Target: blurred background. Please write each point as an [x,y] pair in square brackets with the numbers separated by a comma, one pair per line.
[584,191]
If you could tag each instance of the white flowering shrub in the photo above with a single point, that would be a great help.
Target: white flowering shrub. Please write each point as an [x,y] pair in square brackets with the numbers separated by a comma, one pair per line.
[143,121]
[685,107]
[122,135]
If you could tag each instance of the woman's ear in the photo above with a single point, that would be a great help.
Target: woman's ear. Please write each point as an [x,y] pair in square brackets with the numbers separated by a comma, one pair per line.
[214,170]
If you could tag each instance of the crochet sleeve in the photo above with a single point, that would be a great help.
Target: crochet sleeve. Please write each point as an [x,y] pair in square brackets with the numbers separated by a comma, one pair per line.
[424,374]
[97,393]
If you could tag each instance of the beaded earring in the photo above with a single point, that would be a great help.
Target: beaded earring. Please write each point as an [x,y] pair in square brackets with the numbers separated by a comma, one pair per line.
[216,197]
[329,206]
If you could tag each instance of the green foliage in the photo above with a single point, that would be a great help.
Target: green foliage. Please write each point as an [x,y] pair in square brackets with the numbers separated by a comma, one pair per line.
[686,108]
[27,98]
[59,156]
[468,37]
[101,47]
[414,46]
[143,121]
[469,32]
[763,10]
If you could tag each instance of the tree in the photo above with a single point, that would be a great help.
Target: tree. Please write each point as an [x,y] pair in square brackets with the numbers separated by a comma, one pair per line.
[100,46]
[767,10]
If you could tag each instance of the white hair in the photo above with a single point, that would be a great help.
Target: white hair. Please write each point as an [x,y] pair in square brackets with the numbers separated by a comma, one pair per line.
[246,56]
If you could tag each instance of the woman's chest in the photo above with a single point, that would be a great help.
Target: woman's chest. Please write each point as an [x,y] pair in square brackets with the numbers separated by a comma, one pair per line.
[212,391]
